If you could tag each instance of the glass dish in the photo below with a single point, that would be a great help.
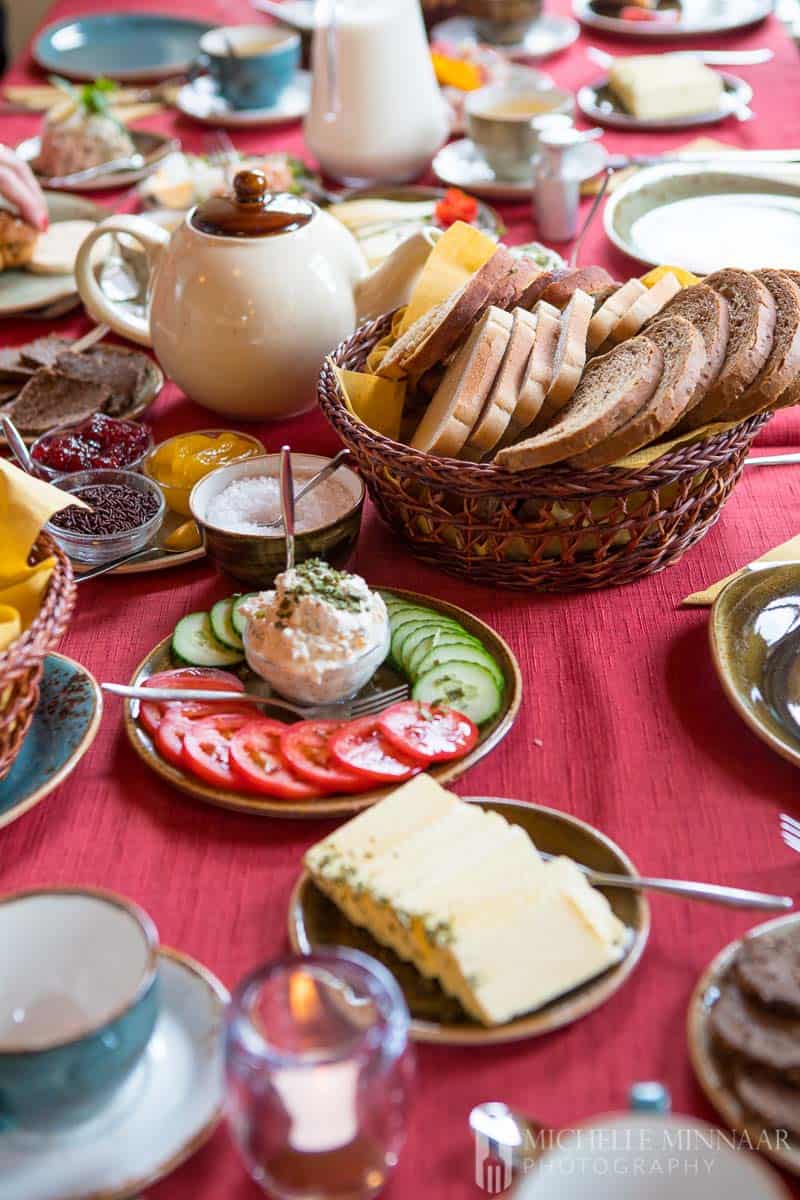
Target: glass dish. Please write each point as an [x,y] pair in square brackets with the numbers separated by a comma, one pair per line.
[177,497]
[52,474]
[103,548]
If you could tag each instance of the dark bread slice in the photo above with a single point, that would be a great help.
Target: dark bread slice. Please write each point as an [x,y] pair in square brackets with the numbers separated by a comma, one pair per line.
[782,368]
[751,312]
[519,282]
[592,280]
[613,388]
[122,372]
[792,394]
[746,1029]
[533,294]
[684,360]
[768,968]
[51,399]
[43,351]
[12,367]
[769,1098]
[432,338]
[708,312]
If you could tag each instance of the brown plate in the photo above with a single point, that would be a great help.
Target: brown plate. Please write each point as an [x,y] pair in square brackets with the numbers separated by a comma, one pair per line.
[706,1066]
[153,147]
[754,631]
[160,659]
[315,921]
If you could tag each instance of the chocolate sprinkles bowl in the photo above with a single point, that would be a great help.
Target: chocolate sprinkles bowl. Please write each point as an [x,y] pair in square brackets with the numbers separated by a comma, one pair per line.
[125,512]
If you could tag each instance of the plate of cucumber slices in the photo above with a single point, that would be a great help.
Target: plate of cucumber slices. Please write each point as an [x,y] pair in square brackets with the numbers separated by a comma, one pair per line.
[450,661]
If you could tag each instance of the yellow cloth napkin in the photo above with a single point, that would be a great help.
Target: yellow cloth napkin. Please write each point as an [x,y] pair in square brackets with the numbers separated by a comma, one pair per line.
[787,552]
[26,504]
[455,258]
[643,458]
[375,401]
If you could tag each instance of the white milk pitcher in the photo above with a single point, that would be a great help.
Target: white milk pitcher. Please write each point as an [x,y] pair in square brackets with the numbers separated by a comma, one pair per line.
[377,115]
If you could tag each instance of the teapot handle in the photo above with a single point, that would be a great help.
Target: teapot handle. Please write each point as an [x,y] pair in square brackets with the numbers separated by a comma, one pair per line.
[105,311]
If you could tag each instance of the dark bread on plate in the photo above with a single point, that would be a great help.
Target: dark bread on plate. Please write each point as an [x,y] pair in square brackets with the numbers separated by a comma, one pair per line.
[768,969]
[773,1101]
[742,1027]
[50,399]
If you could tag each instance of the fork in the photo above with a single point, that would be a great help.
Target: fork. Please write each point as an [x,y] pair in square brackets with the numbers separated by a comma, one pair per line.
[790,831]
[361,706]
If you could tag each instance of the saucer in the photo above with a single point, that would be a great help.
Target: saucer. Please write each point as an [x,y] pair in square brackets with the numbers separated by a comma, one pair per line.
[460,164]
[201,101]
[64,726]
[597,102]
[549,35]
[169,1106]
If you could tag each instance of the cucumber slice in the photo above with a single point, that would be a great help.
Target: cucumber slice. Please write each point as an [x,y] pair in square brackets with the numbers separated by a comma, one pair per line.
[464,686]
[402,635]
[429,639]
[459,652]
[238,619]
[194,642]
[222,625]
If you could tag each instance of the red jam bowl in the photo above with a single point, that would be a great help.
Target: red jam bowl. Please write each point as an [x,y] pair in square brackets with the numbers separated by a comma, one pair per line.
[99,443]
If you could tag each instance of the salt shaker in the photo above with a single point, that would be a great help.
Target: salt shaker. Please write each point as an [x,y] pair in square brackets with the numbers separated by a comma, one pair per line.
[557,182]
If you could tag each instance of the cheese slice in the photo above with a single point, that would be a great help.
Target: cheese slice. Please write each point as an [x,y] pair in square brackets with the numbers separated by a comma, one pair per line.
[466,897]
[665,86]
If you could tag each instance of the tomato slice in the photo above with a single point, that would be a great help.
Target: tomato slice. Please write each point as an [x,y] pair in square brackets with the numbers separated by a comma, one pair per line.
[306,749]
[427,734]
[206,749]
[360,746]
[181,717]
[151,712]
[256,758]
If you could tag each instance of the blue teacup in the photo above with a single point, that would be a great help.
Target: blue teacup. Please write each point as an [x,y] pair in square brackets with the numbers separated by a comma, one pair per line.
[78,1003]
[251,65]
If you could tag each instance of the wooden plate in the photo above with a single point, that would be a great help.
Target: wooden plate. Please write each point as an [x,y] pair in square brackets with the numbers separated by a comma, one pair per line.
[160,659]
[754,630]
[704,1061]
[315,921]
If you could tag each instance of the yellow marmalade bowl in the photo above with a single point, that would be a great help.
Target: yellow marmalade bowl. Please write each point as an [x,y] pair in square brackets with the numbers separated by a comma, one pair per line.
[176,494]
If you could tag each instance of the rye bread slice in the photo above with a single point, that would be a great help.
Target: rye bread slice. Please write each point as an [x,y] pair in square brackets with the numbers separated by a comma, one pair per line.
[533,294]
[432,338]
[612,310]
[12,368]
[502,399]
[459,399]
[646,306]
[684,361]
[51,399]
[773,1101]
[752,315]
[43,351]
[570,356]
[767,968]
[792,394]
[592,280]
[122,372]
[612,389]
[744,1028]
[782,367]
[708,312]
[520,281]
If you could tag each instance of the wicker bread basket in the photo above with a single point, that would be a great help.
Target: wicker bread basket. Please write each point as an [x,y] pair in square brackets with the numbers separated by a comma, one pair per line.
[550,529]
[21,665]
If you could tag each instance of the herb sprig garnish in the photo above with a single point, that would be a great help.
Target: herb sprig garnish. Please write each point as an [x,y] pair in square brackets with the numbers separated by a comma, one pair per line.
[322,581]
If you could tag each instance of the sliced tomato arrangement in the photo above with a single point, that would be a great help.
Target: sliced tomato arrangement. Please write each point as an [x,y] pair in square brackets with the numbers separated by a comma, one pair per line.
[306,747]
[151,713]
[427,734]
[361,747]
[255,756]
[206,749]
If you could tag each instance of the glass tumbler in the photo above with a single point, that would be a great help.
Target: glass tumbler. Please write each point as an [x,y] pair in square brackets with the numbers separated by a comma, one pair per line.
[318,1075]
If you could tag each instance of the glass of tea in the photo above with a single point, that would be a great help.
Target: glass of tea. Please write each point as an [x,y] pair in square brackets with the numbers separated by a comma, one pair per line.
[318,1075]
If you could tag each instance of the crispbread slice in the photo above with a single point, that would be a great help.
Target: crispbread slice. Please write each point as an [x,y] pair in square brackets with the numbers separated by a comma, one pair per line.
[431,338]
[684,354]
[570,356]
[708,312]
[613,388]
[782,367]
[460,397]
[611,311]
[752,315]
[50,399]
[502,399]
[643,310]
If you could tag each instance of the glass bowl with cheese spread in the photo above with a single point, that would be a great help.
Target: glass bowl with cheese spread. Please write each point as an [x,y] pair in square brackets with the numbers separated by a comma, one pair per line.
[318,636]
[237,509]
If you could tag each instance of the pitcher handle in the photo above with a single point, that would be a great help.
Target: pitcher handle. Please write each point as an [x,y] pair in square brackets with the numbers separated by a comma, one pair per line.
[153,239]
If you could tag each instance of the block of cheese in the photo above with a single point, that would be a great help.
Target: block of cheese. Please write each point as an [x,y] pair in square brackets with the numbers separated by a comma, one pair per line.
[466,897]
[664,86]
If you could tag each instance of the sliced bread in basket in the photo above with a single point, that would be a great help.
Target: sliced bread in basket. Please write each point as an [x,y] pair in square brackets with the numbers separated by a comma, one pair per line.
[646,306]
[614,387]
[538,373]
[708,312]
[612,309]
[792,394]
[782,367]
[752,314]
[460,397]
[503,399]
[570,356]
[437,333]
[684,354]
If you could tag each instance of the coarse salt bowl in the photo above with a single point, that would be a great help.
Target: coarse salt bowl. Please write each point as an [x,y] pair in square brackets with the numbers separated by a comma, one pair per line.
[256,558]
[106,547]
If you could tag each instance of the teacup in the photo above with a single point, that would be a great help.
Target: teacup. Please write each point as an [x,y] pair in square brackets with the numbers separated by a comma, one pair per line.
[78,1002]
[504,121]
[251,65]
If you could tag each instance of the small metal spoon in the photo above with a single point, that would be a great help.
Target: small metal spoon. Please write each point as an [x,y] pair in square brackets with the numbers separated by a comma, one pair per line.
[18,448]
[315,481]
[287,503]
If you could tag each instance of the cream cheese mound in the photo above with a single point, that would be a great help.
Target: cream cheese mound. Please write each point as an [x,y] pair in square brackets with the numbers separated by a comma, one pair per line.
[73,140]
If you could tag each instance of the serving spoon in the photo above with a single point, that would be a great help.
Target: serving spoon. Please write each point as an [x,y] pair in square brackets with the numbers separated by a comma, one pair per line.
[314,482]
[287,503]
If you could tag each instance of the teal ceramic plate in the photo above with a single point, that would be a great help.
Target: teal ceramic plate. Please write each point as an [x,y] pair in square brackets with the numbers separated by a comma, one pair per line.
[22,290]
[126,45]
[63,728]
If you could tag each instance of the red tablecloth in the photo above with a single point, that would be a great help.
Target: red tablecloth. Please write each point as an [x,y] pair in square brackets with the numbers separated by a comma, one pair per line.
[624,724]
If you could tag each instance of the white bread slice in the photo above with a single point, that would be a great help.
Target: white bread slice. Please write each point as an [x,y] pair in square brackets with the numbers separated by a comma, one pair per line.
[611,311]
[460,397]
[570,356]
[502,401]
[642,310]
[539,374]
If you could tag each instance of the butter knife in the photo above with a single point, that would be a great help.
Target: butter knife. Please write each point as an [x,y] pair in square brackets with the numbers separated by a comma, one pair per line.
[712,58]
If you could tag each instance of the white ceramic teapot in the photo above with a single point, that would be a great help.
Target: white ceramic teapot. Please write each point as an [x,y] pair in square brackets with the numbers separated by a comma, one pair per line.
[246,298]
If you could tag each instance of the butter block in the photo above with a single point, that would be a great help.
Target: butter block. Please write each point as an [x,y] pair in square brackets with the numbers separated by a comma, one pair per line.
[466,897]
[664,86]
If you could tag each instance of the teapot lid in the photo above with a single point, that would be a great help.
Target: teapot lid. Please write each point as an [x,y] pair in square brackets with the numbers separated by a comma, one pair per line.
[251,210]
